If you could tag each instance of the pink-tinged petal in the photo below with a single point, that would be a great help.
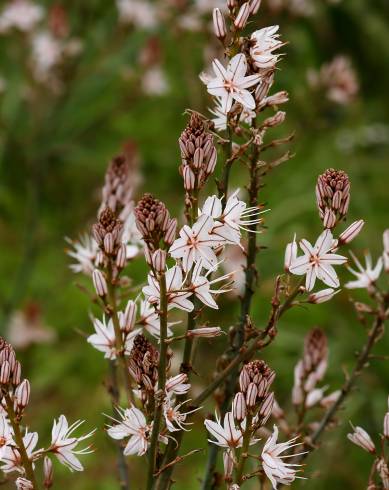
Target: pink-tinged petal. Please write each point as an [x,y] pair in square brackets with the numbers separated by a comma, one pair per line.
[212,207]
[306,247]
[217,431]
[178,246]
[238,66]
[245,98]
[300,265]
[219,69]
[310,279]
[249,81]
[226,102]
[333,259]
[134,446]
[182,303]
[202,226]
[187,259]
[327,274]
[324,242]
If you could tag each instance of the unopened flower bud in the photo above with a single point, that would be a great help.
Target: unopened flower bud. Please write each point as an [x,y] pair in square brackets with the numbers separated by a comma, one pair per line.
[266,407]
[158,260]
[277,99]
[99,283]
[362,439]
[108,243]
[264,86]
[251,395]
[172,383]
[228,463]
[351,232]
[207,332]
[232,4]
[243,15]
[290,254]
[254,6]
[170,234]
[189,178]
[22,394]
[386,425]
[329,219]
[329,400]
[23,484]
[47,472]
[314,397]
[244,379]
[127,320]
[276,120]
[5,372]
[322,296]
[16,374]
[219,24]
[332,196]
[121,257]
[239,406]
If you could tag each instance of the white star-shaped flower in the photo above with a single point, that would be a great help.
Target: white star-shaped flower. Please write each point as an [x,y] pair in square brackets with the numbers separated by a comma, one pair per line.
[366,276]
[317,261]
[196,244]
[272,462]
[133,424]
[63,443]
[226,434]
[231,83]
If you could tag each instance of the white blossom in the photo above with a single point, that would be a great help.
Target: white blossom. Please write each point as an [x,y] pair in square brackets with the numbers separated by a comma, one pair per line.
[196,243]
[6,434]
[133,425]
[22,15]
[11,457]
[265,41]
[63,443]
[175,419]
[317,261]
[272,462]
[177,297]
[141,13]
[104,338]
[84,251]
[366,276]
[231,83]
[226,434]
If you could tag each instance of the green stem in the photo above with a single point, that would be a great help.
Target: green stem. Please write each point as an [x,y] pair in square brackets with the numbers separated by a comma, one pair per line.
[26,461]
[153,450]
[244,451]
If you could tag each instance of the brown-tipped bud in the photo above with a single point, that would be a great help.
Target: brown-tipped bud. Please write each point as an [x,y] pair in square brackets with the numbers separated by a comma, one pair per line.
[276,120]
[17,373]
[254,6]
[121,256]
[251,395]
[264,86]
[99,283]
[198,153]
[158,260]
[243,16]
[322,296]
[23,484]
[47,472]
[239,406]
[207,332]
[259,373]
[219,24]
[351,232]
[228,463]
[231,4]
[108,225]
[332,196]
[143,363]
[152,220]
[5,372]
[22,394]
[276,99]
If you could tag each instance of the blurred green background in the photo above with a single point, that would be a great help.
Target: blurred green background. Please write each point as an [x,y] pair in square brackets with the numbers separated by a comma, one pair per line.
[58,130]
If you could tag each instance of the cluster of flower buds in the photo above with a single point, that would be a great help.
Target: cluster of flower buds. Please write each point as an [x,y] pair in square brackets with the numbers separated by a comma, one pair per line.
[10,379]
[108,232]
[255,380]
[118,185]
[198,153]
[310,369]
[143,366]
[332,196]
[153,221]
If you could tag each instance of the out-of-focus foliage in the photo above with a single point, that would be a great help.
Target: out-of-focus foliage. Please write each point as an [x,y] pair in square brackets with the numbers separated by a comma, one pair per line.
[57,136]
